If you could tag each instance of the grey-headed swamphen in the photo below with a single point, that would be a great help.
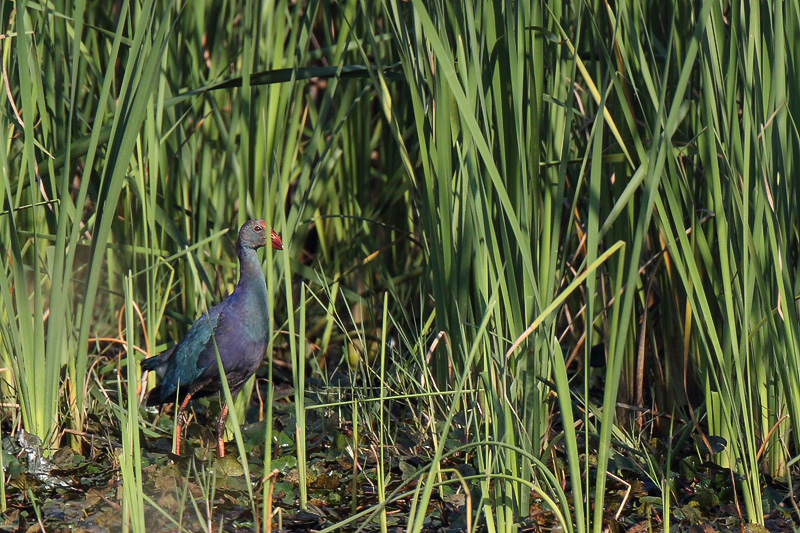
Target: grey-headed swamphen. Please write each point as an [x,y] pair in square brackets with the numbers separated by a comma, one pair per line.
[240,327]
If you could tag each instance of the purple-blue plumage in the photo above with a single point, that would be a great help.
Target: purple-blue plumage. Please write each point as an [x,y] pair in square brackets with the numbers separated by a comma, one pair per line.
[239,326]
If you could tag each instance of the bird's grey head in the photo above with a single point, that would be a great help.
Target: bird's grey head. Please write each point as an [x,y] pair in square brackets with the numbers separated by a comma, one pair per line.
[253,235]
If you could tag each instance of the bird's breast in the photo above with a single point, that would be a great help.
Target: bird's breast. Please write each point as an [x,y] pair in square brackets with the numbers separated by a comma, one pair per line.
[255,316]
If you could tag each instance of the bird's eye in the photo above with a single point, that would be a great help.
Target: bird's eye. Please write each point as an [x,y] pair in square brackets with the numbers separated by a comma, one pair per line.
[258,228]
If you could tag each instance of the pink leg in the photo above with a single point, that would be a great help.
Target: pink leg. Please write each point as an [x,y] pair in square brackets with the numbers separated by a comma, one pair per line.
[223,415]
[179,428]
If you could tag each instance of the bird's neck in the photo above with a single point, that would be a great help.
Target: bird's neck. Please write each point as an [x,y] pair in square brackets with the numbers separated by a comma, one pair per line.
[251,293]
[249,267]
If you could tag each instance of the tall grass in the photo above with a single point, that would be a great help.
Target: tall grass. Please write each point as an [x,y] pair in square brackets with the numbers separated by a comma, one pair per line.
[505,189]
[503,95]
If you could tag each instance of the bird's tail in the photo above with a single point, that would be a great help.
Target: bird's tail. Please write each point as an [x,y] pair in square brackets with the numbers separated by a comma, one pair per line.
[152,363]
[158,362]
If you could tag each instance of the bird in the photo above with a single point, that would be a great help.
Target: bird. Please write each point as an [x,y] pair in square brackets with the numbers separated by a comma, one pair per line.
[238,328]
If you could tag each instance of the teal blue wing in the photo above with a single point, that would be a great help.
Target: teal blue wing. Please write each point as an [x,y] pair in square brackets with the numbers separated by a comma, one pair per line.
[182,368]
